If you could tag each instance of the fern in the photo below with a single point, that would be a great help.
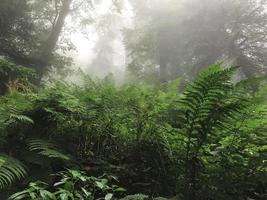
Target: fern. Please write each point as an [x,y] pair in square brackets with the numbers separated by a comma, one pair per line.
[210,102]
[10,170]
[47,148]
[208,107]
[21,118]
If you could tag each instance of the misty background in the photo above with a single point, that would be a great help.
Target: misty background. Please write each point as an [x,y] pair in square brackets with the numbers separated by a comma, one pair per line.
[134,40]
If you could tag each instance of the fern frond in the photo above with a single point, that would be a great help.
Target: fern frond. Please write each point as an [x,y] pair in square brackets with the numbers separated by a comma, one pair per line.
[47,148]
[21,118]
[10,170]
[210,101]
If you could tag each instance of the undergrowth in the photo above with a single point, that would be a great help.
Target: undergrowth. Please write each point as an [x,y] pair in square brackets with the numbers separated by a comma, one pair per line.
[206,142]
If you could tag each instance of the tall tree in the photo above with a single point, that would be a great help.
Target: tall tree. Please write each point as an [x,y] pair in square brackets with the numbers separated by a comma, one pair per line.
[202,33]
[30,31]
[24,25]
[17,38]
[50,43]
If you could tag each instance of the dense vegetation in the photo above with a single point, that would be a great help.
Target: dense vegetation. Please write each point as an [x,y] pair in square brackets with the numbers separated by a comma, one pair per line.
[94,141]
[174,126]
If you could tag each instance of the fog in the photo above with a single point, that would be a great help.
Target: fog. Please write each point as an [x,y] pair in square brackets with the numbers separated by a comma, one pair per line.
[164,31]
[99,48]
[138,40]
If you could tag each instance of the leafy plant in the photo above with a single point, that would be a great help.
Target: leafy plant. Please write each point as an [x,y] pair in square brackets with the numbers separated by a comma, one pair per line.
[36,191]
[10,170]
[157,141]
[15,77]
[47,148]
[211,113]
[74,184]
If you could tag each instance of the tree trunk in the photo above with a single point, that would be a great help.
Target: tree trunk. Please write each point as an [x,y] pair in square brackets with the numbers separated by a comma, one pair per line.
[234,51]
[50,44]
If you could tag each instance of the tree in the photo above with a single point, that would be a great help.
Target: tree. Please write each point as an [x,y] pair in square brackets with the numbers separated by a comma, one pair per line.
[204,32]
[50,44]
[29,37]
[17,38]
[30,31]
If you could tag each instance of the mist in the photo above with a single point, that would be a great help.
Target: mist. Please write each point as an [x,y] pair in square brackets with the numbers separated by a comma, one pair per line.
[99,48]
[152,41]
[163,40]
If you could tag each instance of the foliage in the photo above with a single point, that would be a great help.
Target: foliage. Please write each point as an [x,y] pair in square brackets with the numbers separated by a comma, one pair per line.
[15,77]
[135,197]
[74,184]
[167,39]
[46,148]
[158,142]
[35,191]
[10,170]
[17,36]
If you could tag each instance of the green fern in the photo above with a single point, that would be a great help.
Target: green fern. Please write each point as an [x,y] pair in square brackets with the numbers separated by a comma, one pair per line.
[209,102]
[47,148]
[20,118]
[208,108]
[10,170]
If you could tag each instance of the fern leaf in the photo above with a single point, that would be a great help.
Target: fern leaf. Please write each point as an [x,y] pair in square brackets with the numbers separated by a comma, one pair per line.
[210,101]
[47,148]
[21,118]
[10,170]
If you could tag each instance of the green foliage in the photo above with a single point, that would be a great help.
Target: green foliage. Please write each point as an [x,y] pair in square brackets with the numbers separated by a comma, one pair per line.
[158,142]
[12,70]
[47,148]
[208,105]
[85,187]
[10,170]
[212,117]
[135,197]
[74,184]
[15,77]
[36,190]
[206,108]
